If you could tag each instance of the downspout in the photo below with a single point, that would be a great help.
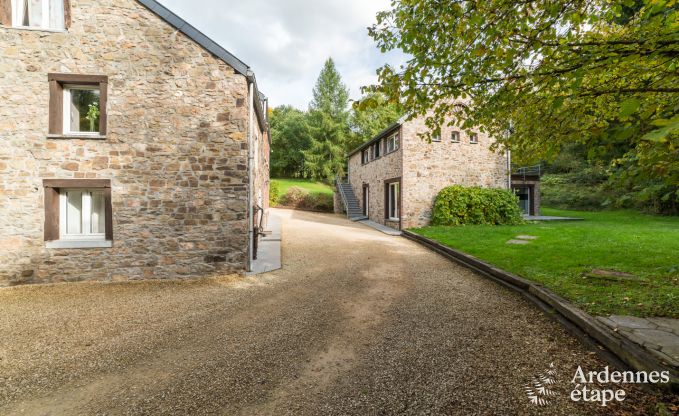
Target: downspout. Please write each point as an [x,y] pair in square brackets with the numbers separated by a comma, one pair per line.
[509,169]
[251,212]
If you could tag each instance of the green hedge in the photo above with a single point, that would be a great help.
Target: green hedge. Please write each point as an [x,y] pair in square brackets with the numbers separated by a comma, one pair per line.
[300,198]
[459,205]
[274,193]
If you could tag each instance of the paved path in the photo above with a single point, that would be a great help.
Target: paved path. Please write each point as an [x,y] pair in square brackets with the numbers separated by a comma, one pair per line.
[356,322]
[660,336]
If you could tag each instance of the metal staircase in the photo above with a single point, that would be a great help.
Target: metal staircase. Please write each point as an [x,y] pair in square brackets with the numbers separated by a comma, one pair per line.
[351,206]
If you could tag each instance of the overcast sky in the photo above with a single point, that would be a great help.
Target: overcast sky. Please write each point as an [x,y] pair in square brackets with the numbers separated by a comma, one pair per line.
[286,42]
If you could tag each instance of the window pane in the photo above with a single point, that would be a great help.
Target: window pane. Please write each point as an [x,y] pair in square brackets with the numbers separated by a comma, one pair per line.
[84,110]
[74,207]
[57,14]
[98,213]
[34,16]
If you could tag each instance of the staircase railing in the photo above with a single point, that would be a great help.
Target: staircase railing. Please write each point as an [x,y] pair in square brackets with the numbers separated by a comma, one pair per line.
[342,196]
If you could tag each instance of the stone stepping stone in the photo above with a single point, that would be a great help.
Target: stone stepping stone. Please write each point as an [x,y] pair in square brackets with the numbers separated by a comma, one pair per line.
[518,242]
[526,237]
[613,275]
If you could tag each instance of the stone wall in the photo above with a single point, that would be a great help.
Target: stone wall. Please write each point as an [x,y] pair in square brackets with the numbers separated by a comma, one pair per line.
[430,167]
[533,183]
[176,150]
[261,172]
[374,173]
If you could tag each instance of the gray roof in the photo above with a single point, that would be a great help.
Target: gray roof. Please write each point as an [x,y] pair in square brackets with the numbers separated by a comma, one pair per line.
[208,44]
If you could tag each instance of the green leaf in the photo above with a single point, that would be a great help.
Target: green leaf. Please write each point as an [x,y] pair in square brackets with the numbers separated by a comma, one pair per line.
[629,107]
[557,103]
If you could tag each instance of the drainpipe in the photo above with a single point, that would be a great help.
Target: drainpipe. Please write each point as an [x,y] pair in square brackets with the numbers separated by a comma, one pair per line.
[251,213]
[509,169]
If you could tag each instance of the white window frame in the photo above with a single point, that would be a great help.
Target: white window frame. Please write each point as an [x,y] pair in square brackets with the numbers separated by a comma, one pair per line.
[67,109]
[365,155]
[436,137]
[85,214]
[473,138]
[17,16]
[393,143]
[393,187]
[455,136]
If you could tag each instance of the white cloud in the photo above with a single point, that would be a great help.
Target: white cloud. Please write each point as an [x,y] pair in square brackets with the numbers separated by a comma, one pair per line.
[287,42]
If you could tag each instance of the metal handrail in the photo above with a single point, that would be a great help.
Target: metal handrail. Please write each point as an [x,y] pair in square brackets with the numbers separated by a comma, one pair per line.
[524,171]
[342,196]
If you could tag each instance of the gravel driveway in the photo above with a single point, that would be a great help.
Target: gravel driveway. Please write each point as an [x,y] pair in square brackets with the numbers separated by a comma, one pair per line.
[356,322]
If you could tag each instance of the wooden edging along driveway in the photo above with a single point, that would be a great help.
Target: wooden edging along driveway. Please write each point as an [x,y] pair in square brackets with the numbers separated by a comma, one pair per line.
[619,351]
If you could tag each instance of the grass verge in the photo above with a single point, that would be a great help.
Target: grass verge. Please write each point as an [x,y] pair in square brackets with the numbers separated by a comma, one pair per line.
[565,253]
[308,184]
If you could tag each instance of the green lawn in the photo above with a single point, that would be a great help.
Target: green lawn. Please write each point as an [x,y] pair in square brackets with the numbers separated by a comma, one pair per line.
[308,184]
[564,252]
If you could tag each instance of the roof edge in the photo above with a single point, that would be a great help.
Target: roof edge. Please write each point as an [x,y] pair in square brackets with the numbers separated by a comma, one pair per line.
[196,35]
[209,45]
[377,137]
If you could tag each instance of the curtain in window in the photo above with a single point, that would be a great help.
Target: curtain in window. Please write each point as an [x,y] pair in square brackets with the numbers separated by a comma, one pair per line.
[74,209]
[57,18]
[98,213]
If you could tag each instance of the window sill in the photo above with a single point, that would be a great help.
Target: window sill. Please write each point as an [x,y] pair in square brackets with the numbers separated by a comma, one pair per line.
[79,244]
[35,29]
[76,137]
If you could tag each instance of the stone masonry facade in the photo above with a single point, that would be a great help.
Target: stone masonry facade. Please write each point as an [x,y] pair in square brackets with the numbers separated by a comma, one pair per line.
[430,167]
[425,168]
[175,152]
[374,174]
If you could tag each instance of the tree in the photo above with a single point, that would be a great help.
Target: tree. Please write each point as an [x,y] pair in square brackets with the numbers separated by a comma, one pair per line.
[539,75]
[368,120]
[329,123]
[325,157]
[290,137]
[330,95]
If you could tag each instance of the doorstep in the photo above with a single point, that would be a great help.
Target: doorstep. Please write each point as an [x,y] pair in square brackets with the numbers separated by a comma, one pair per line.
[379,227]
[269,248]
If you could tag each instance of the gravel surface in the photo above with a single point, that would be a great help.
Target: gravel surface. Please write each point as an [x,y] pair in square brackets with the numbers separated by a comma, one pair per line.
[357,322]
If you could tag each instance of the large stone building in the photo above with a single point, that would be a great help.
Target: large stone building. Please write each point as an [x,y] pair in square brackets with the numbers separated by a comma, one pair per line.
[397,175]
[132,146]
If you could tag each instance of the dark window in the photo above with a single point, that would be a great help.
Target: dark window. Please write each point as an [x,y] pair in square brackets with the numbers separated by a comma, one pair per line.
[455,137]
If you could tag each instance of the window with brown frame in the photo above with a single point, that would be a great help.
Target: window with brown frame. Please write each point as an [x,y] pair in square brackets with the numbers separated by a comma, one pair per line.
[77,106]
[78,213]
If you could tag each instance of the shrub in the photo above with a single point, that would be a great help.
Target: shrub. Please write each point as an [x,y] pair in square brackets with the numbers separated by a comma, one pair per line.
[293,197]
[299,198]
[571,191]
[459,205]
[317,201]
[274,193]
